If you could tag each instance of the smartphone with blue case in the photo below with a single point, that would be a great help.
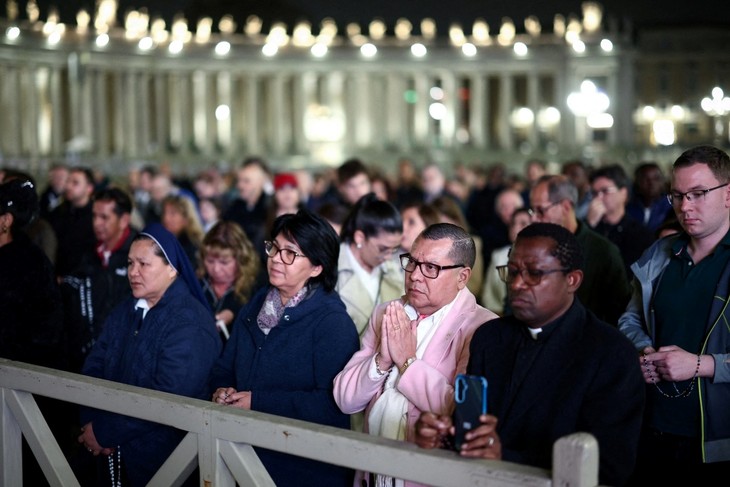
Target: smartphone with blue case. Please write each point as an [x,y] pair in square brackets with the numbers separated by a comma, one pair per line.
[470,396]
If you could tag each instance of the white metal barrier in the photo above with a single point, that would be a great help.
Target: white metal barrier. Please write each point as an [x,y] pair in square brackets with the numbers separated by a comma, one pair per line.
[220,440]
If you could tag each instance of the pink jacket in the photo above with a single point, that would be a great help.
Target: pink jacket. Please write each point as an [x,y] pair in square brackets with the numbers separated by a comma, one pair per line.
[428,383]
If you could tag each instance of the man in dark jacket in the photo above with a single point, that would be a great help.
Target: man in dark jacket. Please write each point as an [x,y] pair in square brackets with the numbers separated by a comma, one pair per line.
[251,208]
[605,289]
[101,281]
[553,368]
[72,222]
[607,214]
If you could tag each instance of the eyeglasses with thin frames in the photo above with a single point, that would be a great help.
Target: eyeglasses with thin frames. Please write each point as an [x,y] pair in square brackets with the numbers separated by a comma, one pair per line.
[541,210]
[531,277]
[428,269]
[606,190]
[675,197]
[287,255]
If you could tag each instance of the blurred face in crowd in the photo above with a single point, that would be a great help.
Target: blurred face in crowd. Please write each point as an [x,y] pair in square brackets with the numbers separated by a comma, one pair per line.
[58,178]
[287,199]
[78,189]
[543,210]
[173,219]
[650,182]
[145,181]
[413,224]
[250,183]
[519,221]
[220,265]
[380,189]
[577,174]
[432,180]
[149,275]
[534,172]
[108,226]
[355,188]
[209,212]
[161,187]
[373,251]
[539,303]
[429,295]
[507,202]
[611,196]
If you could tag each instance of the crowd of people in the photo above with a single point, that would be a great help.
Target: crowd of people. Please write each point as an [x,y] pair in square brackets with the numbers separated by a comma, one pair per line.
[590,300]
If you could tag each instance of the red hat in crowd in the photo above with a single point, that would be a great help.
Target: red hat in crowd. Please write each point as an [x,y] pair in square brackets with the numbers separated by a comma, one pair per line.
[285,179]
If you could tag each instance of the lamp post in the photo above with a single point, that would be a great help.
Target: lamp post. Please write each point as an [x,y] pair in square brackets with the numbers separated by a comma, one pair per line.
[717,107]
[589,105]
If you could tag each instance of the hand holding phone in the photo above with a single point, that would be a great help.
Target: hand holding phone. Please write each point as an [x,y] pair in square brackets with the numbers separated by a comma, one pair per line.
[470,396]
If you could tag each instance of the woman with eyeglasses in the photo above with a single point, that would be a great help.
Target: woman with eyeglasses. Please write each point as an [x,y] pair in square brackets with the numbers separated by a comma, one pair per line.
[289,342]
[367,271]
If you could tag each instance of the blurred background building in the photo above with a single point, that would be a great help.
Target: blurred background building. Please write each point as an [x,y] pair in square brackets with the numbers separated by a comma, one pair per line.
[112,88]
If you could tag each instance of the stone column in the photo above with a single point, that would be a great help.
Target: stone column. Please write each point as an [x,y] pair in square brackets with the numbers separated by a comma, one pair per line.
[449,124]
[224,134]
[56,105]
[397,114]
[478,110]
[303,84]
[506,104]
[422,124]
[252,120]
[533,103]
[162,112]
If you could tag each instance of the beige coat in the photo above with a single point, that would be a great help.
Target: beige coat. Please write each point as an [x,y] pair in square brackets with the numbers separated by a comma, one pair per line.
[356,297]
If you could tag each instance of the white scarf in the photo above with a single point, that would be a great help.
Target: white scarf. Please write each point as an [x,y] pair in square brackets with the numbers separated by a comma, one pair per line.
[389,416]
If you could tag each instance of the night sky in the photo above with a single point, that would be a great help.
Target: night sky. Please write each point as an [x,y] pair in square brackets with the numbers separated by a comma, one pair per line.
[444,11]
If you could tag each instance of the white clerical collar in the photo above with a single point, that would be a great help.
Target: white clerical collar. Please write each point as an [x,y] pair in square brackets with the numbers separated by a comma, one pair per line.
[142,303]
[534,332]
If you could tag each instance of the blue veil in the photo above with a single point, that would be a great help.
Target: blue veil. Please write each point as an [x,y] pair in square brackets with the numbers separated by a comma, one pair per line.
[177,258]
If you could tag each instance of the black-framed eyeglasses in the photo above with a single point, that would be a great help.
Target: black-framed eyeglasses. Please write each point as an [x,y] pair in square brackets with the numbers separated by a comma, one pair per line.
[428,269]
[287,255]
[541,210]
[531,277]
[675,197]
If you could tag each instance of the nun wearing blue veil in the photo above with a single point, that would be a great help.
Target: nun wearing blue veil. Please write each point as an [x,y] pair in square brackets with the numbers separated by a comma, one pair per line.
[163,338]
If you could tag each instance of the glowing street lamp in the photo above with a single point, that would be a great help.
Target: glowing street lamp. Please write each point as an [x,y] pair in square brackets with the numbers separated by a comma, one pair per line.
[716,107]
[591,104]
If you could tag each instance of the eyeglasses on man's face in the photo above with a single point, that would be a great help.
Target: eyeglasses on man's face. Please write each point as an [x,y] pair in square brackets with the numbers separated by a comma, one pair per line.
[287,255]
[605,191]
[675,197]
[428,269]
[541,211]
[531,277]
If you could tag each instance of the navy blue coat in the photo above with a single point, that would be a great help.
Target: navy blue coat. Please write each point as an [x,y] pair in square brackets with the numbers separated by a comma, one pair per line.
[579,375]
[173,351]
[290,372]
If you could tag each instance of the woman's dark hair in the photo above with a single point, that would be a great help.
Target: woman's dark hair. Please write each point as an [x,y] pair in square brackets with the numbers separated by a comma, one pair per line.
[567,249]
[18,197]
[371,216]
[614,173]
[317,239]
